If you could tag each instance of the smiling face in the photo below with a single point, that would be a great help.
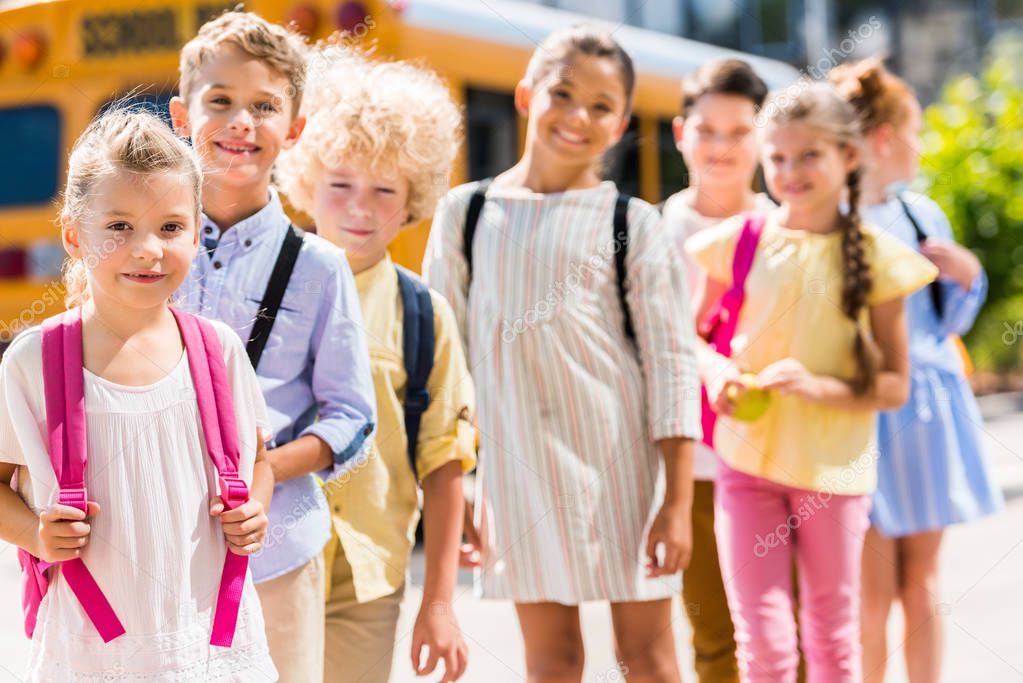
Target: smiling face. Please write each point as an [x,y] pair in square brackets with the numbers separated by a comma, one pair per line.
[577,110]
[361,210]
[136,236]
[805,169]
[717,139]
[239,115]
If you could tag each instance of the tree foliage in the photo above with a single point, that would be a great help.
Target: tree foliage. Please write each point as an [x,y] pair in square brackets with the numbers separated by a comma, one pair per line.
[973,165]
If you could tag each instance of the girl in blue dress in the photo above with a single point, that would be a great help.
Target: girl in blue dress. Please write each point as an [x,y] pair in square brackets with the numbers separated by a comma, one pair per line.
[931,467]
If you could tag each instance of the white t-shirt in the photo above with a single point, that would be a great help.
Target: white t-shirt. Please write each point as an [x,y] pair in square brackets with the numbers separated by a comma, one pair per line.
[154,550]
[684,221]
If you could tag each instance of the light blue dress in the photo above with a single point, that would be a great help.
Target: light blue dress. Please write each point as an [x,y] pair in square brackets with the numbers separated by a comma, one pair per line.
[932,471]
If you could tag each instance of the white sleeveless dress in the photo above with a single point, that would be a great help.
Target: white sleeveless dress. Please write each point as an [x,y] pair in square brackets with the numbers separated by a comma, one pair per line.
[154,550]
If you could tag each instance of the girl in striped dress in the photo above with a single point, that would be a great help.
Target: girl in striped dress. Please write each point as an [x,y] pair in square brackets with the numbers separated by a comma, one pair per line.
[932,472]
[586,431]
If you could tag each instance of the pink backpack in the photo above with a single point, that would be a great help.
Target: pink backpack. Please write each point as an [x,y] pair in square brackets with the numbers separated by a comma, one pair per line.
[63,383]
[718,327]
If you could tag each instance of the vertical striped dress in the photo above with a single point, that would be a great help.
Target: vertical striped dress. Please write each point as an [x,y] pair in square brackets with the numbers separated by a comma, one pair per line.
[569,410]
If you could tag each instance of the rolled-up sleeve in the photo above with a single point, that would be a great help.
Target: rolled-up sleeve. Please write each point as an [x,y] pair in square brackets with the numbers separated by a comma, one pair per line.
[446,431]
[341,380]
[659,304]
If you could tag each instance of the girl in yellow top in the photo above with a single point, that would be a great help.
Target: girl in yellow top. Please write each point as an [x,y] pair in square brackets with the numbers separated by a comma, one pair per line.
[375,158]
[823,329]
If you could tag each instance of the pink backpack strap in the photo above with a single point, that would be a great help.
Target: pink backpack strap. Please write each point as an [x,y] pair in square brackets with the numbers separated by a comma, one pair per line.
[64,390]
[216,412]
[718,327]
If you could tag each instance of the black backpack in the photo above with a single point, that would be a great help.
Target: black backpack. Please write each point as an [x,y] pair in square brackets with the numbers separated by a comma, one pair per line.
[417,333]
[935,287]
[418,344]
[620,234]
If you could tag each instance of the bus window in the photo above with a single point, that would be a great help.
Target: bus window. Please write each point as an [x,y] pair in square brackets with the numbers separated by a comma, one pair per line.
[674,175]
[492,132]
[152,102]
[621,164]
[30,148]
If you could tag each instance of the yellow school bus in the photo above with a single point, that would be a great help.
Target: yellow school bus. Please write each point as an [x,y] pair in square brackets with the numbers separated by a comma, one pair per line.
[62,61]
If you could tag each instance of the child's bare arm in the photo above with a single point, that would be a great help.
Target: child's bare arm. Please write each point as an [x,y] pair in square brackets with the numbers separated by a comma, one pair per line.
[300,457]
[716,371]
[18,524]
[672,528]
[443,509]
[262,474]
[436,627]
[59,533]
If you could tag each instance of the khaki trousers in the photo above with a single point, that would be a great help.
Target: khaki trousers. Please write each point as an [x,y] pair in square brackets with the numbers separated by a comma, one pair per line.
[359,638]
[703,595]
[293,612]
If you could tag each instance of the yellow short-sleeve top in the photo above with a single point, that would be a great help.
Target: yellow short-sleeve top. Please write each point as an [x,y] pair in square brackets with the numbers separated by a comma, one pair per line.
[376,508]
[793,308]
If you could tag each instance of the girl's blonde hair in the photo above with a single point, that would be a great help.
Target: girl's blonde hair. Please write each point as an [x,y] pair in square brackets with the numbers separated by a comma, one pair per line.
[878,95]
[581,39]
[386,115]
[821,107]
[119,141]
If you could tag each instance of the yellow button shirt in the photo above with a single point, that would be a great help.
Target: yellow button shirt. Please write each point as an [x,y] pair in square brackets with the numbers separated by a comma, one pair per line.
[376,507]
[793,309]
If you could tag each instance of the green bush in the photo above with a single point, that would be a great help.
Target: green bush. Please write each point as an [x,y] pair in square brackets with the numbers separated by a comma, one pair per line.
[996,341]
[973,165]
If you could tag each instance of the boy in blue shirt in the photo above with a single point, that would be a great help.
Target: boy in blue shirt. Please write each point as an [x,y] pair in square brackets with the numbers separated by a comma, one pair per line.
[291,295]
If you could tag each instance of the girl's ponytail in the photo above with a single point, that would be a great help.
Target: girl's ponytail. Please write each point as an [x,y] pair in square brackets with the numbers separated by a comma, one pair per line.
[76,283]
[856,284]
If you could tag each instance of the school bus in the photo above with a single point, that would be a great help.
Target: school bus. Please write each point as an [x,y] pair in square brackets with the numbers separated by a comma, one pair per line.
[62,61]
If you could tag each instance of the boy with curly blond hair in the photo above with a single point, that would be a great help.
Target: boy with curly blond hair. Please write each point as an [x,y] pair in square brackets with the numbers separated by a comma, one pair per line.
[374,159]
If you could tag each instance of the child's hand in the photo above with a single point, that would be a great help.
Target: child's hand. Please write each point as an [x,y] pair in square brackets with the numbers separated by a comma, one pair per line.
[954,262]
[673,531]
[790,377]
[244,526]
[437,630]
[63,532]
[717,391]
[470,553]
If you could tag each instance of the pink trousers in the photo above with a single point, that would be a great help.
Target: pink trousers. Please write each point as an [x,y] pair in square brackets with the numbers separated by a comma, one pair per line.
[761,526]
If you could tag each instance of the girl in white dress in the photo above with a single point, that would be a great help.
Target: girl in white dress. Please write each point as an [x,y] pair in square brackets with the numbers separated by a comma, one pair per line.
[156,534]
[586,430]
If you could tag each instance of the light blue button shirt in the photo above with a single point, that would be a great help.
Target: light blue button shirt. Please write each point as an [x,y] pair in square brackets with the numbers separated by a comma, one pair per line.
[315,364]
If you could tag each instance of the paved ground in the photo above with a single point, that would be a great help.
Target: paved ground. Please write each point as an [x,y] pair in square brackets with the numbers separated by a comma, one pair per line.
[982,598]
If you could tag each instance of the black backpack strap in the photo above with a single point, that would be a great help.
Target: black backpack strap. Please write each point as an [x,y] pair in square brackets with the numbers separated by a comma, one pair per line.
[621,237]
[935,287]
[274,294]
[472,217]
[417,349]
